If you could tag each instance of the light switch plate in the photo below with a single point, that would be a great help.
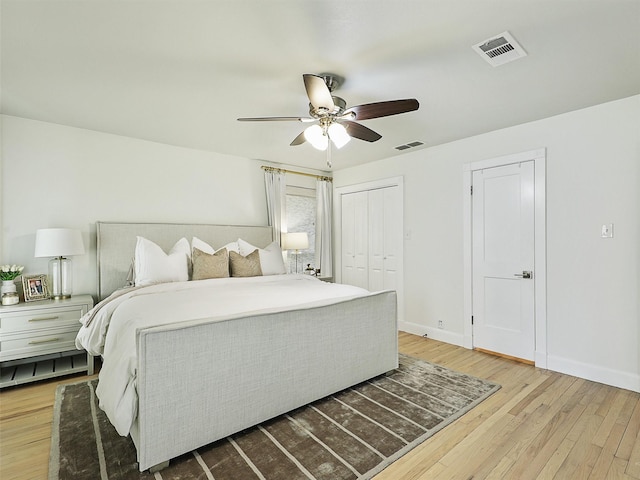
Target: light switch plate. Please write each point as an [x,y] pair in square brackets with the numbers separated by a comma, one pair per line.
[607,231]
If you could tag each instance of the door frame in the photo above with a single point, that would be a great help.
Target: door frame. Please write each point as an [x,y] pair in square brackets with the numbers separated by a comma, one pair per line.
[540,245]
[337,228]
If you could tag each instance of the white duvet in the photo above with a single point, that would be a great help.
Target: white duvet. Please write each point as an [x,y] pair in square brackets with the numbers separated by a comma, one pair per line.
[110,328]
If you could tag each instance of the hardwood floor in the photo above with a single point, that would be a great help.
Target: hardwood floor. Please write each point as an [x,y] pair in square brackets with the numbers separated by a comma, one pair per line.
[540,424]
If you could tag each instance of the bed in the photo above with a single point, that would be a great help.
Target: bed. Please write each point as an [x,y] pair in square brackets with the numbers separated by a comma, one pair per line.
[200,377]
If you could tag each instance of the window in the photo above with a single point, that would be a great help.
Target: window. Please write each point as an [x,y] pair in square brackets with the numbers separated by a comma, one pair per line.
[301,217]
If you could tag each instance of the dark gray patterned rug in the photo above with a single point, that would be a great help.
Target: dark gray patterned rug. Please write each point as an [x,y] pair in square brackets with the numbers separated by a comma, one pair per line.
[353,434]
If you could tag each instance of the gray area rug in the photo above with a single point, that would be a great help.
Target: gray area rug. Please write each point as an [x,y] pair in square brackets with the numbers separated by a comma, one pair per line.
[353,434]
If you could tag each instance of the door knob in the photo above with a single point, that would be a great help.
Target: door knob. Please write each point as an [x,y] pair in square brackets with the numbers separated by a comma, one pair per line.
[524,274]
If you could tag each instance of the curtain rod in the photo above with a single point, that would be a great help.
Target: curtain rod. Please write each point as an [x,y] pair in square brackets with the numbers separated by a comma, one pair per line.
[284,170]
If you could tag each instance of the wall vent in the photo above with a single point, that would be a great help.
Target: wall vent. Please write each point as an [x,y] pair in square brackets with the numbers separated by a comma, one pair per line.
[409,145]
[500,49]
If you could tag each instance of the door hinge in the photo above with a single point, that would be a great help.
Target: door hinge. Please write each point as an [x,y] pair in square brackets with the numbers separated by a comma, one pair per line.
[471,189]
[471,319]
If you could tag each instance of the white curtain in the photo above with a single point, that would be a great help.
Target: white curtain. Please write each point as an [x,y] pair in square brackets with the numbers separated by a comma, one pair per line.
[276,188]
[324,252]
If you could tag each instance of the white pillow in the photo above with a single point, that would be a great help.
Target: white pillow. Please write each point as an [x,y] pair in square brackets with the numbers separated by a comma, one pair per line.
[202,246]
[206,248]
[271,261]
[245,247]
[153,265]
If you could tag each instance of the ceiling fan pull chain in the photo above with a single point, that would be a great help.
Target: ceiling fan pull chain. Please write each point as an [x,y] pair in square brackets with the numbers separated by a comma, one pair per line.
[329,155]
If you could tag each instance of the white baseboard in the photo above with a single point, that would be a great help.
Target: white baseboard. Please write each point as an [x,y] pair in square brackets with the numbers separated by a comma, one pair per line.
[595,373]
[435,333]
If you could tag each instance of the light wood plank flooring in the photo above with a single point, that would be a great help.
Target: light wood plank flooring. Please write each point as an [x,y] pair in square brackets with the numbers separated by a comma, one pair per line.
[541,425]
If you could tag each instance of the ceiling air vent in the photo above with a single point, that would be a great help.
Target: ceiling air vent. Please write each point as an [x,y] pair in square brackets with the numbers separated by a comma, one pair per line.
[409,145]
[500,49]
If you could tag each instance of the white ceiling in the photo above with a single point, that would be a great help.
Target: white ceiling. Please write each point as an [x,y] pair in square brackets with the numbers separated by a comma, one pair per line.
[180,72]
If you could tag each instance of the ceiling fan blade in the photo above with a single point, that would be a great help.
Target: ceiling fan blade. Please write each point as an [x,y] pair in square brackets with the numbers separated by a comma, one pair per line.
[276,119]
[383,109]
[361,132]
[299,140]
[318,92]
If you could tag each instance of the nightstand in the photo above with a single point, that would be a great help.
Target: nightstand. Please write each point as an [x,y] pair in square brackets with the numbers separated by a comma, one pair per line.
[37,340]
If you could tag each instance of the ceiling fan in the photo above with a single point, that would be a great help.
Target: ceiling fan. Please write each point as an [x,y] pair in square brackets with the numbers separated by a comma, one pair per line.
[331,118]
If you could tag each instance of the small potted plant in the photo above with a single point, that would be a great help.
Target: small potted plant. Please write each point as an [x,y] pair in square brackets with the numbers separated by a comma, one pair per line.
[8,274]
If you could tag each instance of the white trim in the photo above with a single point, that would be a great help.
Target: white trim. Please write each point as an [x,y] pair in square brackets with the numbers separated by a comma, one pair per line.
[540,153]
[540,239]
[467,258]
[373,185]
[595,373]
[540,271]
[301,191]
[441,335]
[337,228]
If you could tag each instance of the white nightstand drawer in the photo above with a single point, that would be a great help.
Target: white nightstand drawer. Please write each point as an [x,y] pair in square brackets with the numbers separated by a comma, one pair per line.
[24,321]
[21,346]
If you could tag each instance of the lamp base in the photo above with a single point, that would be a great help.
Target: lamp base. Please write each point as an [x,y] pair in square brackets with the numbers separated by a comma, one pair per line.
[60,297]
[60,278]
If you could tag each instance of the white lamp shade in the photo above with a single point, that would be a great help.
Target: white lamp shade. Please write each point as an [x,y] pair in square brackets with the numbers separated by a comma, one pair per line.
[316,137]
[338,135]
[295,241]
[58,242]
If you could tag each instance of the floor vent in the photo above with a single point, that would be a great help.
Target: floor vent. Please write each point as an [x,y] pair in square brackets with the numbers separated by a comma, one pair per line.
[409,145]
[500,49]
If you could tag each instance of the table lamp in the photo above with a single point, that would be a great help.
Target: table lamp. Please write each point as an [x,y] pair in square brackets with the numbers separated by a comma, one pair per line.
[295,242]
[59,243]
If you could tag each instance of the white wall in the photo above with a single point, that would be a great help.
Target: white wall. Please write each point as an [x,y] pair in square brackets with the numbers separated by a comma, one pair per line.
[58,176]
[54,175]
[593,284]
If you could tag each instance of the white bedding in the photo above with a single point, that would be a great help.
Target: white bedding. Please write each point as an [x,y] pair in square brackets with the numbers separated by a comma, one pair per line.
[110,328]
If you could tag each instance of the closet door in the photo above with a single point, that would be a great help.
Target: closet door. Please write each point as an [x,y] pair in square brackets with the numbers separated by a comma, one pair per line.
[392,235]
[376,239]
[372,236]
[355,239]
[384,225]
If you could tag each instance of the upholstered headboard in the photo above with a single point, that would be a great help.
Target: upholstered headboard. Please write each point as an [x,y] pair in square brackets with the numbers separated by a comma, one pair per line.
[116,244]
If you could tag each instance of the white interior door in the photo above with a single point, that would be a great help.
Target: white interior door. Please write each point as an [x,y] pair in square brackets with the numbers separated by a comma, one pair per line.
[370,238]
[354,239]
[503,260]
[376,239]
[392,237]
[384,247]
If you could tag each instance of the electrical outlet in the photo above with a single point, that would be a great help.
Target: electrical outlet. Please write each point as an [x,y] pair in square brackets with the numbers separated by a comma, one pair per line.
[440,324]
[607,231]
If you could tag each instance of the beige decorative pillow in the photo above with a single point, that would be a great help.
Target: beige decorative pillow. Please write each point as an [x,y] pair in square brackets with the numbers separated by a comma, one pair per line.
[248,266]
[207,265]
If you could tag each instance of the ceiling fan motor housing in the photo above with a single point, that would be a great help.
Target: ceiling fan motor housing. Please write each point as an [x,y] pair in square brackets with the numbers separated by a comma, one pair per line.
[340,105]
[332,80]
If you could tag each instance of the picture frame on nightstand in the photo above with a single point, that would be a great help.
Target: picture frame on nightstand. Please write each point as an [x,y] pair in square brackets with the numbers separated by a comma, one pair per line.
[35,287]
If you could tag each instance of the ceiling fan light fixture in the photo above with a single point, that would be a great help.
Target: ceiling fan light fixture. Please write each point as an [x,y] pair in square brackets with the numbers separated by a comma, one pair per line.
[316,137]
[338,135]
[336,122]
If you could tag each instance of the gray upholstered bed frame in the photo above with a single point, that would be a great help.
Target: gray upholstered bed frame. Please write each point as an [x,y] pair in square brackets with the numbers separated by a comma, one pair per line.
[201,381]
[116,243]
